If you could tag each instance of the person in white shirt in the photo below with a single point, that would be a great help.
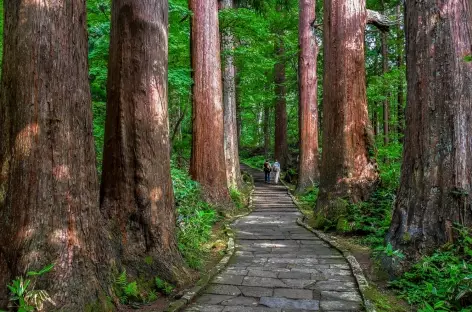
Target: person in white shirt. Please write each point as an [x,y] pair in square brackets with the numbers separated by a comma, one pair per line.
[276,169]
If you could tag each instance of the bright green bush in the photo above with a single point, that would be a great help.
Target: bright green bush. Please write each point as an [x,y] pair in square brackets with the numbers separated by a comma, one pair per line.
[237,198]
[389,160]
[195,218]
[256,162]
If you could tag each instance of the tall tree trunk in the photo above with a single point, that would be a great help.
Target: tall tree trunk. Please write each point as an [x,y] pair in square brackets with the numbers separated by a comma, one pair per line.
[136,191]
[281,144]
[238,111]
[348,170]
[376,120]
[436,181]
[400,92]
[49,209]
[308,111]
[385,102]
[266,131]
[208,164]
[233,172]
[259,138]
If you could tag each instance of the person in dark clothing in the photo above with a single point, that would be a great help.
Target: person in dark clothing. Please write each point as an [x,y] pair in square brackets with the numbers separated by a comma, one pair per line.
[267,169]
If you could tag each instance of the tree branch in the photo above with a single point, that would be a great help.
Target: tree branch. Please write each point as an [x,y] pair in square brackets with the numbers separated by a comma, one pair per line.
[177,124]
[382,22]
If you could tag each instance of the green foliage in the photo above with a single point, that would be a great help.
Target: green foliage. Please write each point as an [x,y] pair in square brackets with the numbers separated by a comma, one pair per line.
[131,290]
[126,291]
[389,161]
[98,19]
[442,281]
[195,218]
[99,117]
[256,162]
[164,286]
[389,252]
[138,292]
[237,198]
[309,198]
[372,218]
[24,297]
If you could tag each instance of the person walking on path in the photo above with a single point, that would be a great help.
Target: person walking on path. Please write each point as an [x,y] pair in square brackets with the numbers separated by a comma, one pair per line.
[276,169]
[267,169]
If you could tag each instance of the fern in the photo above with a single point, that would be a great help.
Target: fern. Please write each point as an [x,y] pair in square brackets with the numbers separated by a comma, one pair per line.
[131,290]
[122,279]
[164,286]
[24,297]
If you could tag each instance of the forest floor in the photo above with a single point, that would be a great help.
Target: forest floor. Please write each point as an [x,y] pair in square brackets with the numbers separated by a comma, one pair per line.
[278,265]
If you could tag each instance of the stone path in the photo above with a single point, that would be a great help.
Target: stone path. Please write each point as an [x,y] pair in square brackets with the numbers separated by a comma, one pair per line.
[279,266]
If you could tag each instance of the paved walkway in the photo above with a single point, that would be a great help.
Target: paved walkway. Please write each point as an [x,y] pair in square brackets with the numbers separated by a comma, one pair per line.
[279,266]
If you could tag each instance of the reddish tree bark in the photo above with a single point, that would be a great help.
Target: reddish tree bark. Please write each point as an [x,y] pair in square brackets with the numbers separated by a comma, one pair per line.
[207,164]
[348,170]
[238,112]
[436,178]
[281,144]
[136,191]
[49,210]
[308,85]
[233,171]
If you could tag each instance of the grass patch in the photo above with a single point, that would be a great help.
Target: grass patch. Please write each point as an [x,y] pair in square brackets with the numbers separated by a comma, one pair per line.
[385,301]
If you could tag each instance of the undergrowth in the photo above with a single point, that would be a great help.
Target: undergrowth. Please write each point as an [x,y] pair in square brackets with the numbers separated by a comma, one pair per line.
[371,219]
[195,218]
[442,281]
[238,198]
[138,292]
[24,297]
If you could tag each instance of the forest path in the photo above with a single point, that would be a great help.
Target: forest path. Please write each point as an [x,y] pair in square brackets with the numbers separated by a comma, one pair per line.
[279,266]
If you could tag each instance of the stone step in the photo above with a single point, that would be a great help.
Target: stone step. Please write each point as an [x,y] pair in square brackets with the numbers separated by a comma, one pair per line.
[278,265]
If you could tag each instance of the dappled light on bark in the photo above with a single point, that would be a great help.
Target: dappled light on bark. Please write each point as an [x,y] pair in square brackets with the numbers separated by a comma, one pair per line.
[207,165]
[136,192]
[436,180]
[348,169]
[25,140]
[233,172]
[308,107]
[49,211]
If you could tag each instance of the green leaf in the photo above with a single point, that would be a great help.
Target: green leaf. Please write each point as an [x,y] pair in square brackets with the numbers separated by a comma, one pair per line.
[44,270]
